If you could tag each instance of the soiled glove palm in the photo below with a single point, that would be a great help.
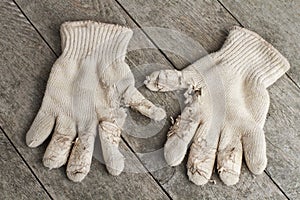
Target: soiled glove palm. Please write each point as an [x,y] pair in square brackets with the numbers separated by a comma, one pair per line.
[87,87]
[245,66]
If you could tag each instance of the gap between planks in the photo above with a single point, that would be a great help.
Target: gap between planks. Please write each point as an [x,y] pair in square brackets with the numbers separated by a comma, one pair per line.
[28,166]
[125,142]
[240,23]
[160,52]
[173,65]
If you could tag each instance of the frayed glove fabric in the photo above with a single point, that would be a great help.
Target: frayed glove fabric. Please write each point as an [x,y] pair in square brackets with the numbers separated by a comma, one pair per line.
[246,66]
[88,88]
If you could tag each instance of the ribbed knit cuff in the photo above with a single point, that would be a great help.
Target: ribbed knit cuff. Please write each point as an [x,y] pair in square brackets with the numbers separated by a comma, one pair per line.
[252,56]
[88,38]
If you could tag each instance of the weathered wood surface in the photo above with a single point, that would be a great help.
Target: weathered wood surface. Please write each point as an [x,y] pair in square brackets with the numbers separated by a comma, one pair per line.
[205,19]
[201,23]
[16,179]
[277,21]
[282,134]
[25,82]
[174,180]
[26,61]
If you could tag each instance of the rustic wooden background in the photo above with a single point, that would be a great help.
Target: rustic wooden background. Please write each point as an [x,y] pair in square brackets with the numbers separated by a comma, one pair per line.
[30,43]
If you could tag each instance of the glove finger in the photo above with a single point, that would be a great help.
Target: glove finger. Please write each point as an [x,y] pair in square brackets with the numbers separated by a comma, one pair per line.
[58,150]
[182,132]
[230,153]
[254,146]
[166,80]
[137,101]
[202,155]
[110,136]
[81,156]
[40,129]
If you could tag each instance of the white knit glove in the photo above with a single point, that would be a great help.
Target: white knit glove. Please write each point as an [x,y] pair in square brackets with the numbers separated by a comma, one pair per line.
[227,107]
[88,87]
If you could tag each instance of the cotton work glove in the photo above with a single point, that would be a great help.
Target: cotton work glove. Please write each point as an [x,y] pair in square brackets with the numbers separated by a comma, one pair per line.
[88,88]
[227,104]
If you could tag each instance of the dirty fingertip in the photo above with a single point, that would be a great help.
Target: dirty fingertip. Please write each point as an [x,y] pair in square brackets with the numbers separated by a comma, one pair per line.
[159,114]
[174,151]
[76,175]
[115,165]
[151,81]
[197,178]
[229,178]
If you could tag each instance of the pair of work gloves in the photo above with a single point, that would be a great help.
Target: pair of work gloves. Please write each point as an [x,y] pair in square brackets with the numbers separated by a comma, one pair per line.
[90,86]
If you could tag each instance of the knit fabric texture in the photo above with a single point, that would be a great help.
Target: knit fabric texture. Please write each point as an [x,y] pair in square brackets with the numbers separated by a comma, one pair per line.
[89,87]
[227,103]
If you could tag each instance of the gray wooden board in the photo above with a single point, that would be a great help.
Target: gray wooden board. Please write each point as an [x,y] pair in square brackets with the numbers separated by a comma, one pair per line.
[201,20]
[16,179]
[26,61]
[200,26]
[277,21]
[174,180]
[141,54]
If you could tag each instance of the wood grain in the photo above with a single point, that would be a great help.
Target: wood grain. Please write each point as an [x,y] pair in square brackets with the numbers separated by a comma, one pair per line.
[211,26]
[200,26]
[276,21]
[16,179]
[175,183]
[282,132]
[26,61]
[142,57]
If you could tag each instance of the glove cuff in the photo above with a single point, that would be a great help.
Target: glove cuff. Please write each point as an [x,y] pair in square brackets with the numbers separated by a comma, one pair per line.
[88,38]
[251,55]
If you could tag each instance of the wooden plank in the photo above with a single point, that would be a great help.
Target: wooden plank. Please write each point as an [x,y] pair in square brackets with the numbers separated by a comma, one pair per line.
[202,24]
[283,137]
[204,19]
[26,61]
[174,180]
[17,182]
[277,21]
[141,54]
